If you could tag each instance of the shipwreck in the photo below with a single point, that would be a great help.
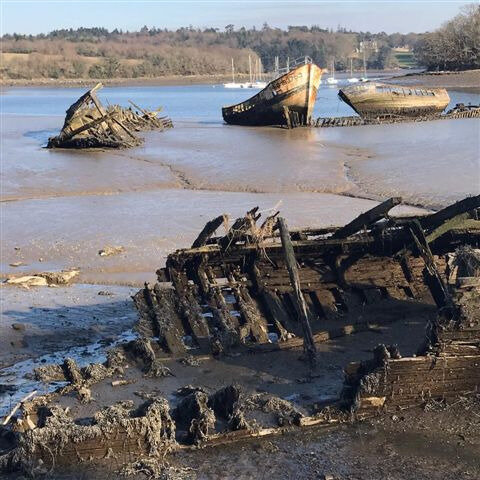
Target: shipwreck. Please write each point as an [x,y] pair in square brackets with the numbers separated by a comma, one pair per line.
[373,99]
[88,124]
[287,100]
[261,291]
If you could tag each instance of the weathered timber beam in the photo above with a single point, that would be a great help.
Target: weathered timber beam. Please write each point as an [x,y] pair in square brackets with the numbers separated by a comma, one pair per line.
[367,218]
[436,219]
[308,342]
[434,279]
[209,229]
[64,137]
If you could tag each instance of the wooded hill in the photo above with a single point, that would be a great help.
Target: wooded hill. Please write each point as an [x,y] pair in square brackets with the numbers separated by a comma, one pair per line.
[153,52]
[454,46]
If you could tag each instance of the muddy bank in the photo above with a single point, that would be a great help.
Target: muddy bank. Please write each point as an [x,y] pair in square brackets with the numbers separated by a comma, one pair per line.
[84,314]
[469,79]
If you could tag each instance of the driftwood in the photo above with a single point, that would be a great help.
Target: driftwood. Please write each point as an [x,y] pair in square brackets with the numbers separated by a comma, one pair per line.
[89,125]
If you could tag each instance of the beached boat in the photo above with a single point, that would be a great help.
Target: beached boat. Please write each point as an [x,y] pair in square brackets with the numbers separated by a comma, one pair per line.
[373,99]
[295,90]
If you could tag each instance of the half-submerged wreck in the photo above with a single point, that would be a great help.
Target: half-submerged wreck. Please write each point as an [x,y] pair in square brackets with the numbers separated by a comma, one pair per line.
[88,124]
[379,99]
[288,99]
[262,289]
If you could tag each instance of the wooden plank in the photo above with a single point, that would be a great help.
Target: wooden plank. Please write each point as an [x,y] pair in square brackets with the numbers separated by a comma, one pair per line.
[302,312]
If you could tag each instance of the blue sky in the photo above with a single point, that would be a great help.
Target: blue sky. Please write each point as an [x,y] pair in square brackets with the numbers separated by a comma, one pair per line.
[41,16]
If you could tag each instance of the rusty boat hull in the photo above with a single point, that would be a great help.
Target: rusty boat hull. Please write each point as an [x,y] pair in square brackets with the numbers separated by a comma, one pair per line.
[374,99]
[296,91]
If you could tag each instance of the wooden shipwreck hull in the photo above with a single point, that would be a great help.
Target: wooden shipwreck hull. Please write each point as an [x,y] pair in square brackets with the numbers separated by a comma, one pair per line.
[289,98]
[373,99]
[88,124]
[236,290]
[448,365]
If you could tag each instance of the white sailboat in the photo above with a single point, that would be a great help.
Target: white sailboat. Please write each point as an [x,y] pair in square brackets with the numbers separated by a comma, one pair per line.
[352,79]
[258,82]
[232,84]
[332,80]
[364,78]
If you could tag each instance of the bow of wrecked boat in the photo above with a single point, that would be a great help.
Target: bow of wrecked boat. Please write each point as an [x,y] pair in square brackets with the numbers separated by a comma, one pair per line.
[246,335]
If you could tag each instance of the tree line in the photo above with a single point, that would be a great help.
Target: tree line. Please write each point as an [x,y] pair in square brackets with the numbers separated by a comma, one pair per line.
[454,46]
[155,52]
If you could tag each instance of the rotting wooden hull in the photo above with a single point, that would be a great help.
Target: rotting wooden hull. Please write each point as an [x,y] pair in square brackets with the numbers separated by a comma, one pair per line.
[341,274]
[373,99]
[296,90]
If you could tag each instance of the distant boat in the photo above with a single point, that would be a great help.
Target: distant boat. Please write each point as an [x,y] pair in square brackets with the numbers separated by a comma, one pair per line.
[332,80]
[232,84]
[374,99]
[364,78]
[256,76]
[295,90]
[352,79]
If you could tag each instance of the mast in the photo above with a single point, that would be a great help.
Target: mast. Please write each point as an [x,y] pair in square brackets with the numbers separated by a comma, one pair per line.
[364,64]
[233,72]
[351,68]
[250,68]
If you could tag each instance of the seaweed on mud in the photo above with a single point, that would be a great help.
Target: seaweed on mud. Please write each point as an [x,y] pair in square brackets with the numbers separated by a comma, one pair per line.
[151,423]
[195,415]
[152,469]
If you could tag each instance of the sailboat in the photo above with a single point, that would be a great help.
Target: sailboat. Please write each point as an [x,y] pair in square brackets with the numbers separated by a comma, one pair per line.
[364,78]
[232,84]
[258,83]
[352,79]
[332,80]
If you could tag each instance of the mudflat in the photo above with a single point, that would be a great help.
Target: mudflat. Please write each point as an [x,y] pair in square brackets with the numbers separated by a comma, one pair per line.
[61,208]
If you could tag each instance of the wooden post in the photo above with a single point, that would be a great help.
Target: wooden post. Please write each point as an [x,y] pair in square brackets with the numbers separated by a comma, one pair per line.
[308,342]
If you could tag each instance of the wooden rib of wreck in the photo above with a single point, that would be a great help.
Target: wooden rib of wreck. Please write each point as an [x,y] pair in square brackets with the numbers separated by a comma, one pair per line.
[88,124]
[448,365]
[373,99]
[235,290]
[458,111]
[287,100]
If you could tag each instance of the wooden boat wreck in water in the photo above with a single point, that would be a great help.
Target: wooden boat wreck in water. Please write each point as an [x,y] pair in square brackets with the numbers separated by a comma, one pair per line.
[88,124]
[379,99]
[289,98]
